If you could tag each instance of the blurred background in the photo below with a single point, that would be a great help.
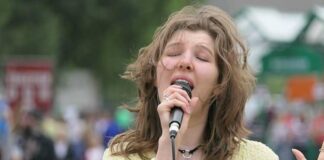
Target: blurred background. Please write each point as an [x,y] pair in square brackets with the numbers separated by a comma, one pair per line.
[62,97]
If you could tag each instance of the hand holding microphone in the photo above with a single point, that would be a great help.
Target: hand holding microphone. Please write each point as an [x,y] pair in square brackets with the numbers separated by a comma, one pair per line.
[175,108]
[177,112]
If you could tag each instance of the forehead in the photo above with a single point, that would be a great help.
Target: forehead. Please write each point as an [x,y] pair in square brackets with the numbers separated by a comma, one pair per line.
[183,36]
[197,39]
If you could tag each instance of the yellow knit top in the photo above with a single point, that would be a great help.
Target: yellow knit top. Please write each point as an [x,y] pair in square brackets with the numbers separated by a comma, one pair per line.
[248,150]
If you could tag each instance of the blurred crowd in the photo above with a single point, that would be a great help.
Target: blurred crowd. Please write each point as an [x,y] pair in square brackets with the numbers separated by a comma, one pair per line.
[75,135]
[284,125]
[71,135]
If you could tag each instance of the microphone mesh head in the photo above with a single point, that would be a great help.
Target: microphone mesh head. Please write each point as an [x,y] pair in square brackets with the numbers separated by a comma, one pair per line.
[185,86]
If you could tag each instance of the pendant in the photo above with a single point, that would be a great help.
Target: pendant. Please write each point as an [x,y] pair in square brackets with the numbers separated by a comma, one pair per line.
[186,154]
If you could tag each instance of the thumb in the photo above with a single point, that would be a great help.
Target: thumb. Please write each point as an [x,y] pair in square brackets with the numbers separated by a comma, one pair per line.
[298,154]
[321,155]
[185,119]
[194,101]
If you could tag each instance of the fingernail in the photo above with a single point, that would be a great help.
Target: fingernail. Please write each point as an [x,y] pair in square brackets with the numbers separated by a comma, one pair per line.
[177,86]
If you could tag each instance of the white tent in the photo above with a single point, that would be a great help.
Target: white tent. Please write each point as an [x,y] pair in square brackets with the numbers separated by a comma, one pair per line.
[265,27]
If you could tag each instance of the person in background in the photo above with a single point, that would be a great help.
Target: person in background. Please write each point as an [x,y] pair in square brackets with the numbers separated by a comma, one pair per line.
[200,46]
[117,124]
[62,145]
[5,129]
[33,144]
[94,149]
[77,126]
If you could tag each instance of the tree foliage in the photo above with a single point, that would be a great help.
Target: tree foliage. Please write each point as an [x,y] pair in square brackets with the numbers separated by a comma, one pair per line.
[99,35]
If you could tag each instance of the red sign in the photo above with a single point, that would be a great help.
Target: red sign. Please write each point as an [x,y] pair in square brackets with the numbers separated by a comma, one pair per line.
[29,83]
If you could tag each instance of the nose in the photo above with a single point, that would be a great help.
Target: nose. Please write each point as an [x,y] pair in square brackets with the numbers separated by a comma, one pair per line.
[186,63]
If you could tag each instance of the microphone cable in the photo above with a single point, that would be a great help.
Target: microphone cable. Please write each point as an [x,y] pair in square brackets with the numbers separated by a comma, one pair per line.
[173,147]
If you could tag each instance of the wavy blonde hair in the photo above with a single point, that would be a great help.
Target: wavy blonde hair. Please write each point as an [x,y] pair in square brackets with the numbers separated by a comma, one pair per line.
[225,128]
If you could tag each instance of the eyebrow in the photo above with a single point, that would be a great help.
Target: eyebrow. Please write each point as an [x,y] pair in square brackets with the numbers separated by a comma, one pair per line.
[206,48]
[177,44]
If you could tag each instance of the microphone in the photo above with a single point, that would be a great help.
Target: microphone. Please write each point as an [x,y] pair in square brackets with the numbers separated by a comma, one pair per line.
[177,112]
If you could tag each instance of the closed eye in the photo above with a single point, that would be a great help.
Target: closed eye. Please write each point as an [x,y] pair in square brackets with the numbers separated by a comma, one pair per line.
[203,53]
[173,54]
[203,56]
[173,49]
[204,59]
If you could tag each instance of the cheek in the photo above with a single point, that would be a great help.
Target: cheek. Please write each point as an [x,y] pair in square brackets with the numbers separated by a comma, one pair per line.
[161,75]
[160,79]
[168,63]
[209,75]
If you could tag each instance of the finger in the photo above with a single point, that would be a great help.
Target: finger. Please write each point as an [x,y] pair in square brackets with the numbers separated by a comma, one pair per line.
[180,97]
[164,111]
[184,105]
[173,92]
[321,154]
[176,88]
[170,88]
[167,105]
[194,101]
[186,118]
[299,155]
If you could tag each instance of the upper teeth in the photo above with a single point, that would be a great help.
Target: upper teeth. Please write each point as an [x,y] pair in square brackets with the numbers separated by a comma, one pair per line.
[183,80]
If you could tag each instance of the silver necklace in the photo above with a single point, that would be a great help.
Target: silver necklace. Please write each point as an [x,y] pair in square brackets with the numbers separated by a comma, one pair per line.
[187,153]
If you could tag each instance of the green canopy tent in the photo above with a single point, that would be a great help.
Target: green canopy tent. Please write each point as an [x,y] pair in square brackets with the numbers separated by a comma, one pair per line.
[294,59]
[284,62]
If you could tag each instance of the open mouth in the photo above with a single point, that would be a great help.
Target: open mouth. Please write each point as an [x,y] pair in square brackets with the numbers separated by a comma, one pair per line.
[183,81]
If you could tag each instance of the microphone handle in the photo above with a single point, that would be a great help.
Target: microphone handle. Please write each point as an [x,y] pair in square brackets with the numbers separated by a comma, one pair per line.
[175,123]
[177,115]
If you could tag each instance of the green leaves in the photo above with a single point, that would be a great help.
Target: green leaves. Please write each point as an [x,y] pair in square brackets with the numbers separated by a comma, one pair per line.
[100,35]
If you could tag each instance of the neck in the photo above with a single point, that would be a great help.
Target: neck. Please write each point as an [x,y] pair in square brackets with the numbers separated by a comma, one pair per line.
[188,153]
[195,131]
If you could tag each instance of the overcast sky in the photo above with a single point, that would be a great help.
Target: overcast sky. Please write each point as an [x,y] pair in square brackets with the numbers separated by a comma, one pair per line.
[233,6]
